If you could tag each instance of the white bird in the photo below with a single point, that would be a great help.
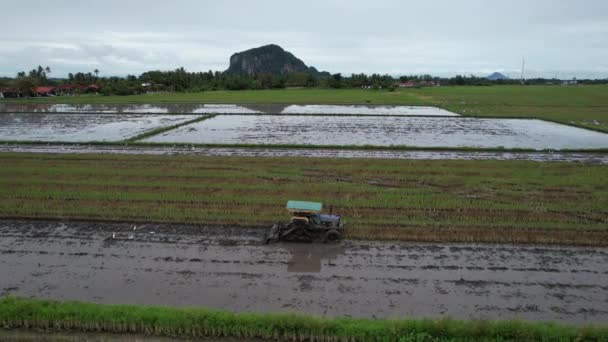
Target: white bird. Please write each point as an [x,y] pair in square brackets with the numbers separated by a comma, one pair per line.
[113,235]
[134,227]
[131,237]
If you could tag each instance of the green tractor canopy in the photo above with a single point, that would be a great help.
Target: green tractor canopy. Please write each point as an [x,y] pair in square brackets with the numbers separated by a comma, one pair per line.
[304,207]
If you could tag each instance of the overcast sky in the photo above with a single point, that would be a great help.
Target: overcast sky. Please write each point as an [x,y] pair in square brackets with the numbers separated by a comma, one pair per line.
[442,37]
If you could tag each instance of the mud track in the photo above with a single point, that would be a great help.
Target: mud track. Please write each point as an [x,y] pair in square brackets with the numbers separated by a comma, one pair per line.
[227,268]
[587,158]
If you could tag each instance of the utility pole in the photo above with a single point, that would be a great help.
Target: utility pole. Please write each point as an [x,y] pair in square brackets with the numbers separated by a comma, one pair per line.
[523,67]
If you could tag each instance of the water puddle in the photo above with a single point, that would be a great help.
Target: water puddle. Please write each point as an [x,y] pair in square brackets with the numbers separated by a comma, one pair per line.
[367,110]
[308,257]
[384,131]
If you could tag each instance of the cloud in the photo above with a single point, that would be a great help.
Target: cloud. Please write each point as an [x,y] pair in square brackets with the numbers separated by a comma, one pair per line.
[383,36]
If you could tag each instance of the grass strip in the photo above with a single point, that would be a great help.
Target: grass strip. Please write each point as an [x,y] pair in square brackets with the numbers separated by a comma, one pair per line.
[159,130]
[189,323]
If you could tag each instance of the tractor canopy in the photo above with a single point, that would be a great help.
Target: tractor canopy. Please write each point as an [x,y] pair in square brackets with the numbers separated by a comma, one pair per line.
[304,207]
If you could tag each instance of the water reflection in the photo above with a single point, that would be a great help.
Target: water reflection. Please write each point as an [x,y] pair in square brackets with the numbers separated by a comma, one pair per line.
[383,131]
[82,127]
[212,108]
[309,257]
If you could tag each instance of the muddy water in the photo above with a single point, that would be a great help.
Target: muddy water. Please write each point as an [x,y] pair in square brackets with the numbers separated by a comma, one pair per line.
[229,269]
[225,109]
[589,158]
[81,127]
[384,131]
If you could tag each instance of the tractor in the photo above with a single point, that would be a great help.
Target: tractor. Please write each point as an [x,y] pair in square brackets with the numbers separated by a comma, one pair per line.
[307,224]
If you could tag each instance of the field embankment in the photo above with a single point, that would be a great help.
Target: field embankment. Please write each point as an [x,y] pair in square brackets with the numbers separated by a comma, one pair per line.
[409,200]
[584,106]
[193,323]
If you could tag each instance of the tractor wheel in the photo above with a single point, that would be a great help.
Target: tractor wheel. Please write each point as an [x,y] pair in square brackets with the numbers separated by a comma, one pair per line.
[332,236]
[273,234]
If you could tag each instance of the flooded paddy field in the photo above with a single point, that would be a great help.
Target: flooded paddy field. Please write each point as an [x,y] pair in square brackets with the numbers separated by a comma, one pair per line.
[81,127]
[385,131]
[229,268]
[225,109]
[587,158]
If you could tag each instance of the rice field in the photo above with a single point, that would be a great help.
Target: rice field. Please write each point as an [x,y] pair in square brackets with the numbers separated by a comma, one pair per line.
[384,131]
[409,200]
[83,127]
[584,106]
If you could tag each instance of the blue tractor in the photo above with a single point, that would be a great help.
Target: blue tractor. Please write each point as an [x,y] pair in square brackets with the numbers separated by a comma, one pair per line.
[307,224]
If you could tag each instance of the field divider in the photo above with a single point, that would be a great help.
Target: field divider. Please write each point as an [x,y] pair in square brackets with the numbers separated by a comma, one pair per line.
[135,142]
[159,130]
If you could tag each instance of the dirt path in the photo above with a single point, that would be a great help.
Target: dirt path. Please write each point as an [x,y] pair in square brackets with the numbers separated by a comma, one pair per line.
[588,158]
[228,268]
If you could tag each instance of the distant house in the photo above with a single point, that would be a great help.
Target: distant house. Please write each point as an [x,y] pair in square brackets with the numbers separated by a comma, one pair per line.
[73,89]
[69,89]
[43,91]
[6,93]
[414,84]
[408,84]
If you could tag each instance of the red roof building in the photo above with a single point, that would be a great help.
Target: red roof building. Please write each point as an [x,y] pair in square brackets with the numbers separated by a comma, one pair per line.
[43,90]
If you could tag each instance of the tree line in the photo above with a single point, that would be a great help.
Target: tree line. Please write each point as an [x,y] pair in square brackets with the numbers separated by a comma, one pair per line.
[181,80]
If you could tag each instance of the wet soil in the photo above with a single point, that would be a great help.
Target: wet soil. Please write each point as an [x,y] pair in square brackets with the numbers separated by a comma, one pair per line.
[589,158]
[229,268]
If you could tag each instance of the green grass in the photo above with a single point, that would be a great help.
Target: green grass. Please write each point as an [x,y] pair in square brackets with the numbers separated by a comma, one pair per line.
[585,106]
[410,200]
[192,323]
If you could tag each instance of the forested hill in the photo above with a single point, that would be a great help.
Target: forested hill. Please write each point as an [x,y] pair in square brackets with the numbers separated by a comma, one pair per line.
[271,59]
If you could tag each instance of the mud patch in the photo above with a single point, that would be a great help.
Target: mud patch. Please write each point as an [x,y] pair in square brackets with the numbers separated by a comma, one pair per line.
[588,158]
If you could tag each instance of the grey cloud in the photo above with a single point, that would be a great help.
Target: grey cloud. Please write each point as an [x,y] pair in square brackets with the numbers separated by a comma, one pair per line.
[401,36]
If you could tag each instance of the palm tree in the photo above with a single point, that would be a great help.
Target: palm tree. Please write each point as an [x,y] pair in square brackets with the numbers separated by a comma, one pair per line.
[96,71]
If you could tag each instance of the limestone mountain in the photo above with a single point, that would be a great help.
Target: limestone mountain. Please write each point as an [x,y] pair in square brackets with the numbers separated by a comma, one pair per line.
[497,76]
[271,59]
